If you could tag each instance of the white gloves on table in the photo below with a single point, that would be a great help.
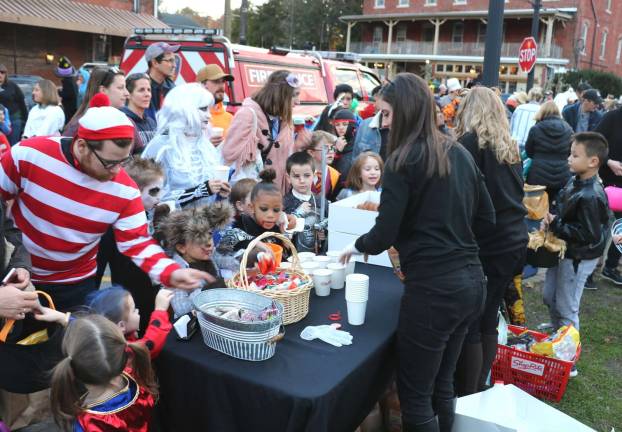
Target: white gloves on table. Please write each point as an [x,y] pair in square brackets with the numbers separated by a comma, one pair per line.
[327,333]
[347,252]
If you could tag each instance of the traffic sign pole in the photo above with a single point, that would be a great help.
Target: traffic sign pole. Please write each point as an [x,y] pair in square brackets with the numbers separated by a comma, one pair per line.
[535,26]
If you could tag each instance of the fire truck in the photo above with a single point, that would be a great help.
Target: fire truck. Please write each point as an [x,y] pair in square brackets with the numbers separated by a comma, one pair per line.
[318,72]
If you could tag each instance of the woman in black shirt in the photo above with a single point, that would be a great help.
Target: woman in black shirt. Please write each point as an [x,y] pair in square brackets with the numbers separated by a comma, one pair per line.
[433,200]
[484,131]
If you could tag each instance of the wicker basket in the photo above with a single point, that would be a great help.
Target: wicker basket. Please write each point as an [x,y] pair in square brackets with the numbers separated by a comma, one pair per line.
[295,302]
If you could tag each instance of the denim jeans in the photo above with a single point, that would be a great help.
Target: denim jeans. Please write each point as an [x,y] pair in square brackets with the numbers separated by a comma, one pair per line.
[434,317]
[563,288]
[69,297]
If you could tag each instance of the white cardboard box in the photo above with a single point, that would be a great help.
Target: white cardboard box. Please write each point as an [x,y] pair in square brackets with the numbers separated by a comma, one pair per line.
[347,223]
[506,408]
[344,217]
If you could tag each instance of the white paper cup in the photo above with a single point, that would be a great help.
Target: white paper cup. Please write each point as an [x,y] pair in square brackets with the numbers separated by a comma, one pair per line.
[322,260]
[305,256]
[309,266]
[321,281]
[339,275]
[350,267]
[334,255]
[356,312]
[357,279]
[217,132]
[356,294]
[221,173]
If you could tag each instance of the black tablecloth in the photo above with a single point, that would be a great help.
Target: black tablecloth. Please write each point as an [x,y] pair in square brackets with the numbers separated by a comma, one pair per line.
[307,385]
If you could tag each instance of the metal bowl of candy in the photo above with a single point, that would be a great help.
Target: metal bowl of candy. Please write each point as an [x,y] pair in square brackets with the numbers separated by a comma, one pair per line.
[239,323]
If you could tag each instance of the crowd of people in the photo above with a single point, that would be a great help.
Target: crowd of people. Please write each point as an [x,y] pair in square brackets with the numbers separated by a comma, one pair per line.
[131,179]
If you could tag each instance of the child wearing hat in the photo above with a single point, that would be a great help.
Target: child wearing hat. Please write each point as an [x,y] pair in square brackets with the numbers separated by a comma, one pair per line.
[344,123]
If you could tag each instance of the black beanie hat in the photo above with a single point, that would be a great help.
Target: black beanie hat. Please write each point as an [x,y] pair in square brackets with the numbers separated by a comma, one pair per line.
[344,115]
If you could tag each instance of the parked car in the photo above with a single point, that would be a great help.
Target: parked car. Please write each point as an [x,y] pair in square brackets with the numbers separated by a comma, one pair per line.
[92,65]
[26,83]
[318,72]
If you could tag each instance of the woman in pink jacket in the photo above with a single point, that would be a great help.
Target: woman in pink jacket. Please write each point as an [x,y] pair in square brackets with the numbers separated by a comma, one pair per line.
[261,133]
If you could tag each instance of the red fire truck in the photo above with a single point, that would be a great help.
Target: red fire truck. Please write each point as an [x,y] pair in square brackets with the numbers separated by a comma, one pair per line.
[318,72]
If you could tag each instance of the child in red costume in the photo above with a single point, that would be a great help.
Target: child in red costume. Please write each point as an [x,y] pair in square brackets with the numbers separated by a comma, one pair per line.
[117,304]
[117,375]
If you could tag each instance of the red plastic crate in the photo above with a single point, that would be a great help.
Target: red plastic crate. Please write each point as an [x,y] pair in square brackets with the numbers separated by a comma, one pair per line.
[540,376]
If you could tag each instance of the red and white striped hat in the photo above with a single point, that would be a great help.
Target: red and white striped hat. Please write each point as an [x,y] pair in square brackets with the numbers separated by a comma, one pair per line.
[103,122]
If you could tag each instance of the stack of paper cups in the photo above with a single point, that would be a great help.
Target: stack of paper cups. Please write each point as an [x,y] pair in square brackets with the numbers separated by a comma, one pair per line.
[322,260]
[334,255]
[357,293]
[339,275]
[309,266]
[322,281]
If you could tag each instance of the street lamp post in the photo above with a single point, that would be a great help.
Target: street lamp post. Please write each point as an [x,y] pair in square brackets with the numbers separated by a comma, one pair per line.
[494,36]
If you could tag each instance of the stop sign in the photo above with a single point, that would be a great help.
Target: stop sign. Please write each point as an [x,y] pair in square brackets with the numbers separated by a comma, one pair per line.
[527,54]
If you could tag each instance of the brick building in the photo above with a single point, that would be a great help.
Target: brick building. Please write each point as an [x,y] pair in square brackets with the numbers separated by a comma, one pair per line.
[446,38]
[33,31]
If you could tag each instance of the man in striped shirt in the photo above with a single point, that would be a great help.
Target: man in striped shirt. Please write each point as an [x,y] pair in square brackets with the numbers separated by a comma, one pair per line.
[68,192]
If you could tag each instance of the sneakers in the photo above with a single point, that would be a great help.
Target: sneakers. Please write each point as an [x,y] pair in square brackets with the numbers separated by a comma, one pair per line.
[574,372]
[589,283]
[612,275]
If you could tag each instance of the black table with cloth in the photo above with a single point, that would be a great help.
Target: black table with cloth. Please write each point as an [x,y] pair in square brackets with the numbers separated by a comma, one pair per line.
[306,386]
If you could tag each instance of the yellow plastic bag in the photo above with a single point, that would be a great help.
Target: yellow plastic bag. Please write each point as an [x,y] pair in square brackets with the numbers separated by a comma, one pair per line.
[562,344]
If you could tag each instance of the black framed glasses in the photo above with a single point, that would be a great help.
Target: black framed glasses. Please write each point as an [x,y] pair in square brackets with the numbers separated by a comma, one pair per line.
[110,164]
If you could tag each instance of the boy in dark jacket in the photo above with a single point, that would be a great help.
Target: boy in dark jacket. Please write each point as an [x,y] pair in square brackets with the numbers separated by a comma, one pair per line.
[582,220]
[302,203]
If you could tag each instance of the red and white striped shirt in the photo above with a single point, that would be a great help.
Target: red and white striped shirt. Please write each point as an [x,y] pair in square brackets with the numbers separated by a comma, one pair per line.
[63,213]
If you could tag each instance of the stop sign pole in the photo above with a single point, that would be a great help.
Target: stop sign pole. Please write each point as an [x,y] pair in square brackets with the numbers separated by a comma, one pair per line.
[535,26]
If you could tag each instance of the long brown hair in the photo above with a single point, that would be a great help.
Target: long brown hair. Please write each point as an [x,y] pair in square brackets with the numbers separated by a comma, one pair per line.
[95,352]
[99,77]
[414,126]
[354,180]
[275,97]
[49,94]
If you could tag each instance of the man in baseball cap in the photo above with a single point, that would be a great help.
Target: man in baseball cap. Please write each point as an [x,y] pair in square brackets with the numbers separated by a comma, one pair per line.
[585,116]
[214,79]
[160,58]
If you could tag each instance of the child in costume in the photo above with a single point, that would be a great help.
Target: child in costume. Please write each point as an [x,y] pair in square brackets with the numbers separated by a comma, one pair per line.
[365,175]
[187,235]
[104,383]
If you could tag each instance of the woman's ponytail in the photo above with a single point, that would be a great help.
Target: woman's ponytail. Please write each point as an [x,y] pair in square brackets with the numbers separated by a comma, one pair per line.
[65,393]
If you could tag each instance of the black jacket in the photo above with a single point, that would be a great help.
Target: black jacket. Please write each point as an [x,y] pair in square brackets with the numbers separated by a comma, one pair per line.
[431,221]
[583,218]
[505,186]
[145,129]
[69,97]
[548,146]
[12,98]
[611,128]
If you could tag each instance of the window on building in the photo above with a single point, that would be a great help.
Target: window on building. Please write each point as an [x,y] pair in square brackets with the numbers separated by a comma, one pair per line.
[427,33]
[457,34]
[619,51]
[584,30]
[378,3]
[430,2]
[102,48]
[481,34]
[377,38]
[603,45]
[460,2]
[402,3]
[400,34]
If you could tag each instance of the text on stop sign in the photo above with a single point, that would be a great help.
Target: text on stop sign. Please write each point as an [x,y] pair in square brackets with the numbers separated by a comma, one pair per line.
[527,55]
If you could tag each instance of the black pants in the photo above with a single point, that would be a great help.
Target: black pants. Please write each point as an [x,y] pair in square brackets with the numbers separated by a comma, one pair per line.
[500,271]
[613,256]
[69,297]
[434,317]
